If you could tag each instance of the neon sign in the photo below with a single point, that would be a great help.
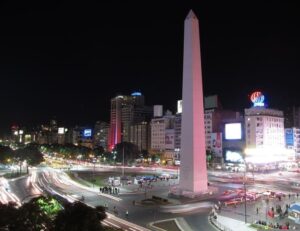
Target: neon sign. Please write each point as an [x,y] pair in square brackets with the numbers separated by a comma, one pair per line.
[136,93]
[257,99]
[87,132]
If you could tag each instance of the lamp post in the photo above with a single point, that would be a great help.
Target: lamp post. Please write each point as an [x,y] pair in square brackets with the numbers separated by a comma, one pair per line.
[93,180]
[245,193]
[123,162]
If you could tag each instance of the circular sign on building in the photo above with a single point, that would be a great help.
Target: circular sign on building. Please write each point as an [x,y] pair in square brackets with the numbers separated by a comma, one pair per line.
[257,99]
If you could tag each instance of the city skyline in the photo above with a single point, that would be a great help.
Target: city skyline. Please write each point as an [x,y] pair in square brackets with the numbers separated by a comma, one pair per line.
[68,61]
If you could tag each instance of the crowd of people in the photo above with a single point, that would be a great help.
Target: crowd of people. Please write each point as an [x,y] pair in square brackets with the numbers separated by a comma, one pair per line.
[110,190]
[275,226]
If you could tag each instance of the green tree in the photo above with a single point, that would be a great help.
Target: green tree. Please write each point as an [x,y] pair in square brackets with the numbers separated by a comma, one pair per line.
[78,216]
[31,154]
[131,152]
[8,212]
[6,154]
[209,157]
[31,217]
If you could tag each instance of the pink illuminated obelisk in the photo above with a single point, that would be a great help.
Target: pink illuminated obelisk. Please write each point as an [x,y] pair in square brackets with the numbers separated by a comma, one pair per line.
[193,172]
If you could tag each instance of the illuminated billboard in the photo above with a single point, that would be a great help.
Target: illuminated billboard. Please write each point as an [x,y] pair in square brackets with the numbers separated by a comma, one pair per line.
[61,130]
[257,99]
[233,131]
[233,156]
[216,141]
[179,106]
[136,93]
[87,132]
[170,139]
[289,137]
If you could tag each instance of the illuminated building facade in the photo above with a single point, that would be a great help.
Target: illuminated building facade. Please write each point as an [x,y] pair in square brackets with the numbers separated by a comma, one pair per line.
[160,128]
[214,118]
[126,111]
[292,140]
[264,130]
[100,135]
[292,117]
[140,135]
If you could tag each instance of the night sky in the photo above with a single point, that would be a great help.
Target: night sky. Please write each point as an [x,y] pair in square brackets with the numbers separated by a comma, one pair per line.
[66,60]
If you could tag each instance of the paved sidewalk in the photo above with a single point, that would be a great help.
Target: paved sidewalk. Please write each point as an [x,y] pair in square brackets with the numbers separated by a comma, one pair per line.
[229,224]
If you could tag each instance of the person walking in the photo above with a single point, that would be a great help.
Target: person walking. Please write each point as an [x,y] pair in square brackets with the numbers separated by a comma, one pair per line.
[126,214]
[257,211]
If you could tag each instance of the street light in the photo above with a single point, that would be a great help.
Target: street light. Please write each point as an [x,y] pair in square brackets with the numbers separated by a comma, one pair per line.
[245,193]
[94,162]
[123,162]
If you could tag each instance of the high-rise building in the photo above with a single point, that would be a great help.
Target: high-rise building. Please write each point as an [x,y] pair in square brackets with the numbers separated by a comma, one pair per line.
[213,121]
[140,135]
[292,140]
[160,127]
[100,136]
[115,121]
[264,130]
[157,111]
[81,136]
[292,117]
[214,118]
[125,112]
[177,128]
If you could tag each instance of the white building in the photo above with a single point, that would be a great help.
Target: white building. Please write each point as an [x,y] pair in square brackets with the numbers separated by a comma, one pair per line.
[292,139]
[264,128]
[264,135]
[208,122]
[161,130]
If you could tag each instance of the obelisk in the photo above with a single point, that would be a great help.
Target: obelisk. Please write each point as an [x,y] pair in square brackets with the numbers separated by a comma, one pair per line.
[193,172]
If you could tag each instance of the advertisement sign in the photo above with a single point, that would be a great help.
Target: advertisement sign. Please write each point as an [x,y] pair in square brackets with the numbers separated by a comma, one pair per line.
[169,139]
[233,156]
[216,141]
[61,130]
[87,132]
[257,99]
[289,137]
[233,131]
[177,162]
[179,106]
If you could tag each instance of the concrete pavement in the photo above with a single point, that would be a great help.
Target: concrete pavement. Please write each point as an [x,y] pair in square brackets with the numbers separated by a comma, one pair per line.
[229,224]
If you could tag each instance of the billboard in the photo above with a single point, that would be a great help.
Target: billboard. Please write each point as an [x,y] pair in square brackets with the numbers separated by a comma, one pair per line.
[61,130]
[169,139]
[233,156]
[257,99]
[233,131]
[87,132]
[179,106]
[289,137]
[216,143]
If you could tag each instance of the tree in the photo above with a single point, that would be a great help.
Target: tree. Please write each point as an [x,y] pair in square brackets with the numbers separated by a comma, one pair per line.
[31,154]
[99,151]
[8,213]
[131,152]
[78,216]
[45,213]
[209,157]
[28,217]
[6,154]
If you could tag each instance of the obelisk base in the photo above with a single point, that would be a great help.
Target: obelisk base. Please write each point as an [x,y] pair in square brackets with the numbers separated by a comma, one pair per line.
[178,192]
